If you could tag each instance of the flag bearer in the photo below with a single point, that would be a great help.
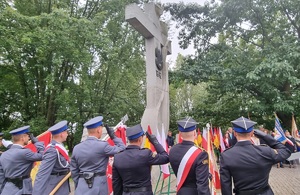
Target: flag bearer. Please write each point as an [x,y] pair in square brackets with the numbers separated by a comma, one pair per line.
[55,164]
[189,163]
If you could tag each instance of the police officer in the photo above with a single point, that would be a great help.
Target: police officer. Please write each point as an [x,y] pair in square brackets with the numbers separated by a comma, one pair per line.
[55,163]
[132,167]
[247,164]
[90,158]
[6,144]
[193,177]
[17,162]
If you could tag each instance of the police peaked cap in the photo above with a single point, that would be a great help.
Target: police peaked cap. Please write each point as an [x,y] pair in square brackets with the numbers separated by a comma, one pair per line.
[187,124]
[21,130]
[94,122]
[134,132]
[243,125]
[59,127]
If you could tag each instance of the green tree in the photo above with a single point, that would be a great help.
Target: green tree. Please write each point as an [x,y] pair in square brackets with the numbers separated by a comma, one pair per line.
[247,53]
[61,60]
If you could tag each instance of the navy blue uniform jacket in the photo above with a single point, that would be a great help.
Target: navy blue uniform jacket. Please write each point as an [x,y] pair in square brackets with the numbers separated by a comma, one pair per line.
[249,165]
[132,168]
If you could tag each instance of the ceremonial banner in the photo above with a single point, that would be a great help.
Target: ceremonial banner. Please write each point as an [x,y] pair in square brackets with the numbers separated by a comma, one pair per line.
[213,168]
[221,140]
[216,138]
[198,140]
[280,136]
[164,168]
[295,133]
[147,143]
[46,138]
[120,132]
[204,138]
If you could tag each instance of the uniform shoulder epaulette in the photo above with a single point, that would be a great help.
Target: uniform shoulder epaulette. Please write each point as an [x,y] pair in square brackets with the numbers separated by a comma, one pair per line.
[144,149]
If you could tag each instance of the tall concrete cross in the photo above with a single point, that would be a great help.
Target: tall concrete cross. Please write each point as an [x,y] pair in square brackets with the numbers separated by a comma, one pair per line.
[155,32]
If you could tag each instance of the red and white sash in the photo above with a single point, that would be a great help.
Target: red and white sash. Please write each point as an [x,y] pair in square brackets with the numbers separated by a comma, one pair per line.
[61,149]
[186,164]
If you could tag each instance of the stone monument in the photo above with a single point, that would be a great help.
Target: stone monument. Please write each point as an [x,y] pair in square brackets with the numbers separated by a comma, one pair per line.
[147,23]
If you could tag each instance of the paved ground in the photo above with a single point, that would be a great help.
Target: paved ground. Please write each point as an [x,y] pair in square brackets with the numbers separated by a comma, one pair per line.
[284,181]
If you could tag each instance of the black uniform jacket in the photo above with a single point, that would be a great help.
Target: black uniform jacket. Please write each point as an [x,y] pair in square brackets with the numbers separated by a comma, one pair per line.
[196,182]
[249,165]
[132,168]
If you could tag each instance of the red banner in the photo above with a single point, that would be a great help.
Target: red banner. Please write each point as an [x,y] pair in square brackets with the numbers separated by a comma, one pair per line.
[46,138]
[121,134]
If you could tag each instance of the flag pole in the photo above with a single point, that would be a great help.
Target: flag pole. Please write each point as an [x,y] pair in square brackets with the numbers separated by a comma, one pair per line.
[60,183]
[123,120]
[209,153]
[211,158]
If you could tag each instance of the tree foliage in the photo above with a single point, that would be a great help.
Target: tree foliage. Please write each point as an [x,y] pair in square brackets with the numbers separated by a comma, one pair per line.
[248,54]
[68,60]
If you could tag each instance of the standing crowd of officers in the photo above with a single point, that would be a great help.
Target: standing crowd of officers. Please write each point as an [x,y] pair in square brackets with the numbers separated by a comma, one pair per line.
[131,173]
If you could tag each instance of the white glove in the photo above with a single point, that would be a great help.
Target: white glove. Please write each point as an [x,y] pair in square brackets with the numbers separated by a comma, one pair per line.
[6,143]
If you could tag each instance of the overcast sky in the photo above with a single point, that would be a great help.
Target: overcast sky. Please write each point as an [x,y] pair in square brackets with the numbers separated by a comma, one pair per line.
[173,34]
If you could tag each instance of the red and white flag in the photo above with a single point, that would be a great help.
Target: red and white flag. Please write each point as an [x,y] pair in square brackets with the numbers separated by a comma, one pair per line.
[204,139]
[165,167]
[162,140]
[221,140]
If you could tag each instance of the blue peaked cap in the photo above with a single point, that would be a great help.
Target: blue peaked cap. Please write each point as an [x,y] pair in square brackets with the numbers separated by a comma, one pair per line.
[243,125]
[94,122]
[59,127]
[134,132]
[19,131]
[187,124]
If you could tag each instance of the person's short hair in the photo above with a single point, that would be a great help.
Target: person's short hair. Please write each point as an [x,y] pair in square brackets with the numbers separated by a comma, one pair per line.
[243,135]
[185,135]
[93,130]
[134,140]
[16,138]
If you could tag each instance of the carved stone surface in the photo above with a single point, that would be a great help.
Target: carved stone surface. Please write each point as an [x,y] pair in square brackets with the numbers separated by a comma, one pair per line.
[147,23]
